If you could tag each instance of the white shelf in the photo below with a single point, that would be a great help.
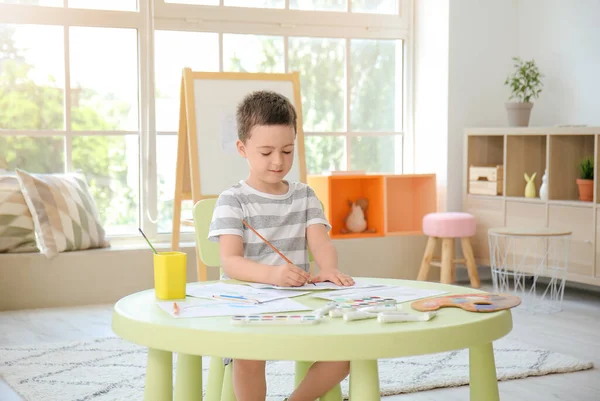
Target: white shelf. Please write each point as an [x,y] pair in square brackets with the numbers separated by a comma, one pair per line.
[474,131]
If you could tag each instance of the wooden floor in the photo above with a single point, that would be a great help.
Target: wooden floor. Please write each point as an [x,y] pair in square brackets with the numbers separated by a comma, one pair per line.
[574,331]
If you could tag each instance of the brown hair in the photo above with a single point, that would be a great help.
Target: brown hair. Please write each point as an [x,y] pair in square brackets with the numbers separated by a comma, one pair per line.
[264,108]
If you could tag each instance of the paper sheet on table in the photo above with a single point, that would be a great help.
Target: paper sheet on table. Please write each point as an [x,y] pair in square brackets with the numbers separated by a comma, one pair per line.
[196,307]
[400,294]
[317,286]
[215,289]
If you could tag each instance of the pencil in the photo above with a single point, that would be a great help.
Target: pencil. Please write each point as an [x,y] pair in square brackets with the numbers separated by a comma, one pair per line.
[268,243]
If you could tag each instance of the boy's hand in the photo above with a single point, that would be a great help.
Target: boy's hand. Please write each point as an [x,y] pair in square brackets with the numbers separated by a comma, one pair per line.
[289,275]
[335,276]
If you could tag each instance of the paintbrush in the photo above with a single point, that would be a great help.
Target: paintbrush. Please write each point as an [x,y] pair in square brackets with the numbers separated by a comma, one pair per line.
[154,250]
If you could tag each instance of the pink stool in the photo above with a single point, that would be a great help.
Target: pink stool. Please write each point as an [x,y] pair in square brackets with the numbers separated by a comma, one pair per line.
[448,227]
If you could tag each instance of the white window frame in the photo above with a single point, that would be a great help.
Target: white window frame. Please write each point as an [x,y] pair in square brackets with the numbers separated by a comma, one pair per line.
[155,15]
[285,23]
[70,17]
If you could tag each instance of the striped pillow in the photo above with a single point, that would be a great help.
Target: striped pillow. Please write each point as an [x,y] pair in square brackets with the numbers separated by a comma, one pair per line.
[64,213]
[16,224]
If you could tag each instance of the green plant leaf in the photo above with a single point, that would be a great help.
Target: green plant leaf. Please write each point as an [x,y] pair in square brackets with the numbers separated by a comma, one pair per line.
[586,169]
[525,82]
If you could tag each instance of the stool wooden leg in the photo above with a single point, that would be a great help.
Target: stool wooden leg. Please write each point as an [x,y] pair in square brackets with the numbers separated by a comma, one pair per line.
[447,260]
[470,262]
[453,264]
[429,249]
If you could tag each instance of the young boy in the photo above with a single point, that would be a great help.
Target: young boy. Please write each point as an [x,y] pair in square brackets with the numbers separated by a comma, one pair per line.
[289,215]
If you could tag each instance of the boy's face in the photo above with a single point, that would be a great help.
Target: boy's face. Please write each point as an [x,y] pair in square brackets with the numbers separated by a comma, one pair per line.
[270,152]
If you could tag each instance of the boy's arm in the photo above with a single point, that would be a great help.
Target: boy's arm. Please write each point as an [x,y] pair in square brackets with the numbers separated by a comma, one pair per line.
[325,256]
[321,247]
[236,266]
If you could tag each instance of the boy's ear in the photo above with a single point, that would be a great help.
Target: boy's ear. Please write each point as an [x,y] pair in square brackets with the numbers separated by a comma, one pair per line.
[241,148]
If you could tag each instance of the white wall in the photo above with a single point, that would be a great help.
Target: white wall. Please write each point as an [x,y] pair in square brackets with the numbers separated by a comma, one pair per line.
[482,40]
[562,36]
[564,39]
[431,92]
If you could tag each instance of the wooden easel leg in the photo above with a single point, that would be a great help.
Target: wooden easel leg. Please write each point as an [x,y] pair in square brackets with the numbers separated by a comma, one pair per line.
[176,222]
[470,262]
[200,268]
[447,256]
[427,256]
[180,171]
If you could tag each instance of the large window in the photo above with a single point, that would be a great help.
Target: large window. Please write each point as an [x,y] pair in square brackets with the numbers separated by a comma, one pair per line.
[69,98]
[88,85]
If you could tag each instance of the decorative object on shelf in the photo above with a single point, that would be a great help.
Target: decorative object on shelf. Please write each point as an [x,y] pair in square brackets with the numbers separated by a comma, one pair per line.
[356,222]
[544,187]
[585,182]
[530,187]
[525,83]
[486,180]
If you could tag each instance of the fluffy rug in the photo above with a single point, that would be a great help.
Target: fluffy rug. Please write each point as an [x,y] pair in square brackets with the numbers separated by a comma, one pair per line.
[112,369]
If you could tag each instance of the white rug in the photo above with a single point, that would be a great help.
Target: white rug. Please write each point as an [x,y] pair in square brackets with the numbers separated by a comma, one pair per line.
[110,369]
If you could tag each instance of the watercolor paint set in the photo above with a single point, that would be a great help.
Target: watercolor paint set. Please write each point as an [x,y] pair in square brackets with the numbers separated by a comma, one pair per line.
[274,319]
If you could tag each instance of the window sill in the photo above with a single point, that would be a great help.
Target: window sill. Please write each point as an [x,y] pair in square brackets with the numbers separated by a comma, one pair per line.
[119,247]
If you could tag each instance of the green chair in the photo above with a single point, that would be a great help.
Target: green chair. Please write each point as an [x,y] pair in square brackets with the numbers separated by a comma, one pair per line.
[220,384]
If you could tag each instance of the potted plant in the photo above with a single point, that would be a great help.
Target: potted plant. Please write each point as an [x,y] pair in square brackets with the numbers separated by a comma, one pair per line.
[585,182]
[525,83]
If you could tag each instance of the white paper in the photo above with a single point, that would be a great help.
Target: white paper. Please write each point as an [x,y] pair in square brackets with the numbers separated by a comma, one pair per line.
[317,286]
[196,307]
[209,291]
[400,294]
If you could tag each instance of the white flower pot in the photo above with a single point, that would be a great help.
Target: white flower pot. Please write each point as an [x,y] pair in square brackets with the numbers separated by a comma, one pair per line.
[518,113]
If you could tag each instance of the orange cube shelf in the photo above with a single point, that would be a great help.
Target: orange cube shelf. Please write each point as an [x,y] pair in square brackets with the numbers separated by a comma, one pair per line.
[397,203]
[408,199]
[336,191]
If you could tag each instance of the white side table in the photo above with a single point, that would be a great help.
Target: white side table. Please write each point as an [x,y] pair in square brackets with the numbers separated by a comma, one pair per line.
[517,253]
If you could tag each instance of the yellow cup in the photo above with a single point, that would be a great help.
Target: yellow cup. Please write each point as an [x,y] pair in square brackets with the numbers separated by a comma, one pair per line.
[170,275]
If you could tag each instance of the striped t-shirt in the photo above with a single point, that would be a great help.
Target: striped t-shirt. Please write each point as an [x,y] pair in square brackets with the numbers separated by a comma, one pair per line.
[280,219]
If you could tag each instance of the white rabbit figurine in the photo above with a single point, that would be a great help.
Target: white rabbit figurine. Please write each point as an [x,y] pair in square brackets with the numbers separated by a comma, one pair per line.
[544,186]
[356,221]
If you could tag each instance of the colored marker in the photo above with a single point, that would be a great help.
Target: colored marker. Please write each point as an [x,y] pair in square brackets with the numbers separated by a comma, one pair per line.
[237,298]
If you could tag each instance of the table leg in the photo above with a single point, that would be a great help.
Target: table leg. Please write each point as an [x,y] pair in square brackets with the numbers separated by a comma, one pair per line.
[188,380]
[335,394]
[227,393]
[364,381]
[216,374]
[482,370]
[159,376]
[301,367]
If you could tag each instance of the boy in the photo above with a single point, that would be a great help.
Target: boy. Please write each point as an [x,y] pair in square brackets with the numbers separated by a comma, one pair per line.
[289,215]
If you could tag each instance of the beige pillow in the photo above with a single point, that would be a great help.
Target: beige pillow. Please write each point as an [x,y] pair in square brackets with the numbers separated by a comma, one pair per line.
[64,213]
[16,224]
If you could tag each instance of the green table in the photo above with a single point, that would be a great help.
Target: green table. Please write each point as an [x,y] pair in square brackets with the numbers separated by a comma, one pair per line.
[136,318]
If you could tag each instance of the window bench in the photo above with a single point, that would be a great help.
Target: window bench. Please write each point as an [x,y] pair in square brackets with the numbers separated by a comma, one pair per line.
[96,276]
